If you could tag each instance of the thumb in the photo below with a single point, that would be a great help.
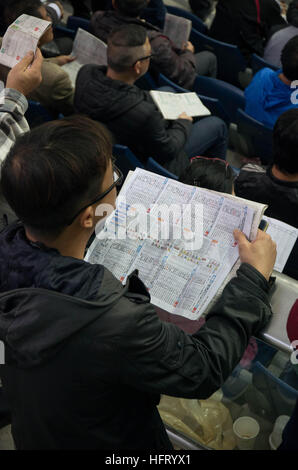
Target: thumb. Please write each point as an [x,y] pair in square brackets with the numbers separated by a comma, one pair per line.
[26,60]
[240,238]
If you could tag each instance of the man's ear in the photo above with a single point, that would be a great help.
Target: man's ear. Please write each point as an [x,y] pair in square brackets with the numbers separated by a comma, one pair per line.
[86,218]
[137,67]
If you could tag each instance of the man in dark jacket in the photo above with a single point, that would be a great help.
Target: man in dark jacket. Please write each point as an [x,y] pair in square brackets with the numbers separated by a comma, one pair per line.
[277,185]
[246,23]
[110,96]
[179,65]
[86,358]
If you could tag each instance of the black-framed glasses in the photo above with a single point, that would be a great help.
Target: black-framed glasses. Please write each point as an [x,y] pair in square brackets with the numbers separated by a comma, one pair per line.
[118,179]
[143,58]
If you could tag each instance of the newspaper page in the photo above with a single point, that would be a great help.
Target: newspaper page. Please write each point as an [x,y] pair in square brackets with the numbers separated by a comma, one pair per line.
[87,49]
[285,237]
[177,29]
[182,278]
[171,105]
[21,37]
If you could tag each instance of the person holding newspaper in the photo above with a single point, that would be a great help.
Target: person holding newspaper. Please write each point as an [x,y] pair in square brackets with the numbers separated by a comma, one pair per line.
[110,96]
[86,358]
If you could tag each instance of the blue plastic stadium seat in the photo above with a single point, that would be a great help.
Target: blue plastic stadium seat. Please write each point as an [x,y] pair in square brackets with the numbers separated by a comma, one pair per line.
[229,96]
[155,167]
[75,22]
[259,138]
[230,60]
[197,23]
[258,63]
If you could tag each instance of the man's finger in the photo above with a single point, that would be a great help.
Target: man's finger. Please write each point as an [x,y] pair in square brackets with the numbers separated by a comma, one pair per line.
[240,238]
[36,64]
[26,61]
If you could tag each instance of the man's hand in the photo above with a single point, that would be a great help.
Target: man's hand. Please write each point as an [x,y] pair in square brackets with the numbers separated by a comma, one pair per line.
[64,59]
[189,47]
[261,253]
[185,116]
[26,75]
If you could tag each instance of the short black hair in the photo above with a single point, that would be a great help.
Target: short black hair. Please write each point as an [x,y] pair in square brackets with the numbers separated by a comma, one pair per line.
[16,8]
[285,142]
[125,46]
[132,8]
[53,170]
[289,59]
[209,173]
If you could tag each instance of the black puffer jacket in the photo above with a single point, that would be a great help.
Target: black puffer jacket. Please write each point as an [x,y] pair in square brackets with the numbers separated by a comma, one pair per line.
[131,115]
[236,22]
[176,64]
[87,358]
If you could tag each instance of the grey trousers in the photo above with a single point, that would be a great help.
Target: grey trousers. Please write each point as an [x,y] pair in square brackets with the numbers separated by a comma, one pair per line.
[206,64]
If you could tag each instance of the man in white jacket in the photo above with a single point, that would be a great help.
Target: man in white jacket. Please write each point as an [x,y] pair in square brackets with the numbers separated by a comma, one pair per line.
[21,81]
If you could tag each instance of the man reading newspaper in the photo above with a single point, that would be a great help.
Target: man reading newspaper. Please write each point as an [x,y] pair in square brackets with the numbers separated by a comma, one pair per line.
[86,358]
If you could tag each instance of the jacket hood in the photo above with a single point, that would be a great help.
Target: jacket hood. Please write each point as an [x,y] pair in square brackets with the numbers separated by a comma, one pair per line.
[98,95]
[272,91]
[45,298]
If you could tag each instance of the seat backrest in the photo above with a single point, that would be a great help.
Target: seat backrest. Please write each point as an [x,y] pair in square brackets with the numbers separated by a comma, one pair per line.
[259,138]
[230,60]
[258,63]
[36,114]
[281,397]
[197,23]
[213,104]
[230,97]
[75,22]
[125,159]
[155,167]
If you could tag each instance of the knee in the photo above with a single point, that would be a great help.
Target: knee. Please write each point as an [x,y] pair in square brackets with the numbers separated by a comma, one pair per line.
[218,126]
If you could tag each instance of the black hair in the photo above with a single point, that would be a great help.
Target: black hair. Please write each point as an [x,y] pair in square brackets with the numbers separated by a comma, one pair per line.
[209,173]
[132,8]
[289,59]
[285,142]
[53,170]
[16,8]
[125,46]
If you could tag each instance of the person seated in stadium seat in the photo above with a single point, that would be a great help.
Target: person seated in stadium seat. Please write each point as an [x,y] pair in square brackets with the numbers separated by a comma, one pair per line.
[56,91]
[179,65]
[210,173]
[275,45]
[277,185]
[110,96]
[92,356]
[246,23]
[271,93]
[21,81]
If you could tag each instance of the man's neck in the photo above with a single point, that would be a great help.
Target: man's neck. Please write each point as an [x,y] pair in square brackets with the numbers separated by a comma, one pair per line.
[122,77]
[284,176]
[284,79]
[73,246]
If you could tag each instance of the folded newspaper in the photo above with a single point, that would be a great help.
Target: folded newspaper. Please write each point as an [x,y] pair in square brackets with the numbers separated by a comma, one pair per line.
[87,49]
[179,237]
[177,29]
[171,105]
[21,37]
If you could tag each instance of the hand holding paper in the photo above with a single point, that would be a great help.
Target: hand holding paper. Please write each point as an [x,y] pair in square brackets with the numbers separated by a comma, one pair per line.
[26,75]
[261,253]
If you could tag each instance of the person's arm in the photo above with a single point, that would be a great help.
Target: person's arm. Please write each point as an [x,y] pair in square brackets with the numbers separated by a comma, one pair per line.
[62,94]
[21,80]
[159,357]
[176,64]
[164,140]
